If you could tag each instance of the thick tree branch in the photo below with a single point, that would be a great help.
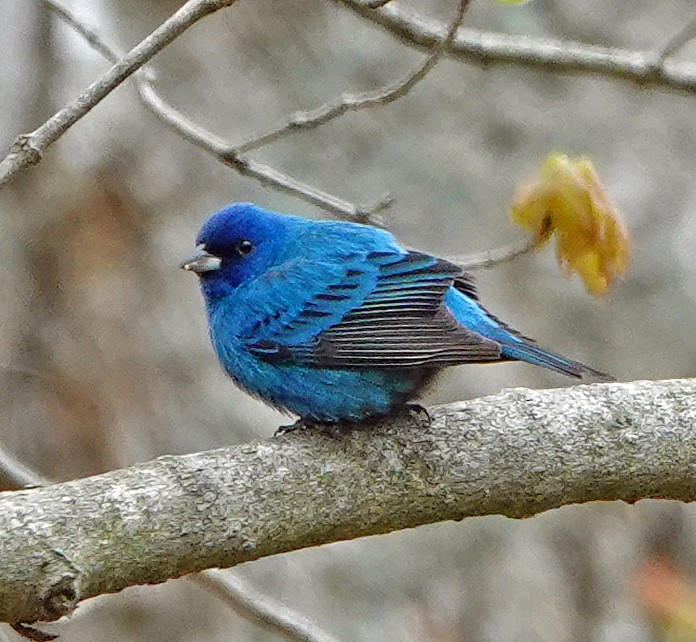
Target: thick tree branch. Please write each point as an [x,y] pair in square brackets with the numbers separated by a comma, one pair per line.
[516,454]
[233,591]
[641,67]
[29,148]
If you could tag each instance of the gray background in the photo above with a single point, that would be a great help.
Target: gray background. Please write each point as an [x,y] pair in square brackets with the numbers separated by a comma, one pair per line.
[92,299]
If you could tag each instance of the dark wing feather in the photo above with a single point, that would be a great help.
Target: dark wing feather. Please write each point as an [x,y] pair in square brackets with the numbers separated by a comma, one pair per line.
[466,284]
[401,323]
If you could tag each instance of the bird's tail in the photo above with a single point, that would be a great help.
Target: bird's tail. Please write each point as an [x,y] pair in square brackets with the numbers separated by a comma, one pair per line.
[522,350]
[464,305]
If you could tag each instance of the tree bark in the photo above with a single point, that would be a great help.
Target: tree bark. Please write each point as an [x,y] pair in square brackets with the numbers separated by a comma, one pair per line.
[516,454]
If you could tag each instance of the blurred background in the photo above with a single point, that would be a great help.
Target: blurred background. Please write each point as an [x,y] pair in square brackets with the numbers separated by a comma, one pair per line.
[106,341]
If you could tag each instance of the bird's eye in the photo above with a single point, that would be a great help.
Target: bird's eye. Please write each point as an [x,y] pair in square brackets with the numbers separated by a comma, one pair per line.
[244,247]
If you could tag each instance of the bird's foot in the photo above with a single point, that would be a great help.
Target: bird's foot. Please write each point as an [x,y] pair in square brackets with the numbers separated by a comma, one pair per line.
[284,430]
[333,430]
[420,413]
[30,633]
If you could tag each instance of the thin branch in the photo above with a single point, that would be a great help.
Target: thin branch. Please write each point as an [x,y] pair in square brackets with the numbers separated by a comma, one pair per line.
[255,607]
[28,149]
[92,38]
[469,45]
[15,475]
[236,157]
[516,453]
[300,121]
[676,42]
[560,56]
[496,256]
[217,147]
[266,175]
[363,100]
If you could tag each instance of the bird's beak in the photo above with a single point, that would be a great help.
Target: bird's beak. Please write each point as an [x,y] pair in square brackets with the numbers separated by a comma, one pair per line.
[201,262]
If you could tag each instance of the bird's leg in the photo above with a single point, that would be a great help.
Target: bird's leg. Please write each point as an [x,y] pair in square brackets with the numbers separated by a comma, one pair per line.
[284,430]
[420,412]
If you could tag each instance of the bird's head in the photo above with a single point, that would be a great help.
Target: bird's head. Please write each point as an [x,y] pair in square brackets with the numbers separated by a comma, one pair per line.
[235,245]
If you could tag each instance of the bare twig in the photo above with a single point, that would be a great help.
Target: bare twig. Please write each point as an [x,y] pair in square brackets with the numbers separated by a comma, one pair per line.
[28,149]
[303,120]
[551,55]
[246,166]
[676,42]
[92,38]
[15,475]
[235,155]
[469,45]
[364,100]
[255,607]
[217,147]
[491,258]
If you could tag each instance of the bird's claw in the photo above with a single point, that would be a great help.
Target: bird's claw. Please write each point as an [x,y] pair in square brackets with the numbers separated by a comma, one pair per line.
[329,429]
[284,430]
[421,413]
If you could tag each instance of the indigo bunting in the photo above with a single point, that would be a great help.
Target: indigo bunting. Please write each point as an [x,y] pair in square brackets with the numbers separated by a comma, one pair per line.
[335,321]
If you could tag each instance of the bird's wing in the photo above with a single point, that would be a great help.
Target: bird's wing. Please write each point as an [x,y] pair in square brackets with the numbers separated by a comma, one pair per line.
[379,309]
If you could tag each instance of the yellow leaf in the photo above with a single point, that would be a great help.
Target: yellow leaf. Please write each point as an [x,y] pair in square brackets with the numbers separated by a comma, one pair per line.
[569,201]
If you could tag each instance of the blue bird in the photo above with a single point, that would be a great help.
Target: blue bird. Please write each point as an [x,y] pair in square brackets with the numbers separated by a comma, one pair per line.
[335,321]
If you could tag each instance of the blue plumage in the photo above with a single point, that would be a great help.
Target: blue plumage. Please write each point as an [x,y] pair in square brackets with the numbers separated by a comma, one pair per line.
[335,321]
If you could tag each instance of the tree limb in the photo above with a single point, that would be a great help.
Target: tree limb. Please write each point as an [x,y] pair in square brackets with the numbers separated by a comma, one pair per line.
[547,54]
[677,41]
[643,67]
[234,591]
[235,156]
[516,453]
